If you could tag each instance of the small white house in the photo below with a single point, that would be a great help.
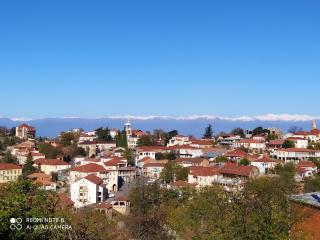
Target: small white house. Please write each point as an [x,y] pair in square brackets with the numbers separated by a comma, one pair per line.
[49,166]
[88,190]
[264,164]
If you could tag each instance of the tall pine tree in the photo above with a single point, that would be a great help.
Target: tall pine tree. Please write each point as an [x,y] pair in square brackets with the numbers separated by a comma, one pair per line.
[208,133]
[28,167]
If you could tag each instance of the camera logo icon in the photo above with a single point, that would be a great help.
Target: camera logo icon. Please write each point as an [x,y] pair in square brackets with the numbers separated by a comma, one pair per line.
[15,223]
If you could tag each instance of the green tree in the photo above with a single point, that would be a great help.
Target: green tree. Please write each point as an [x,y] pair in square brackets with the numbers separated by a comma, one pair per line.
[181,173]
[169,155]
[28,167]
[54,176]
[72,151]
[129,155]
[147,216]
[256,221]
[22,199]
[146,140]
[221,159]
[259,130]
[68,138]
[9,158]
[312,184]
[287,173]
[316,161]
[208,132]
[288,144]
[48,150]
[168,172]
[244,162]
[103,134]
[170,135]
[272,137]
[121,139]
[238,131]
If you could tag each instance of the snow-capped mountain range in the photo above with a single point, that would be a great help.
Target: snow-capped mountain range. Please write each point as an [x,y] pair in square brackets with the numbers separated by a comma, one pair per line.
[194,125]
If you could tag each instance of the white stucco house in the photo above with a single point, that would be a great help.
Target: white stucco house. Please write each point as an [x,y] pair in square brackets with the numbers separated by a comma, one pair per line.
[88,190]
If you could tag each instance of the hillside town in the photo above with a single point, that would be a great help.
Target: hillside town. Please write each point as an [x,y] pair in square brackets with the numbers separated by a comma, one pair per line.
[96,169]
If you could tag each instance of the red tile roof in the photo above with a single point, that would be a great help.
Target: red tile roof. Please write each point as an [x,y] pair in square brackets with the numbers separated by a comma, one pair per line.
[154,164]
[297,138]
[91,167]
[30,128]
[104,205]
[306,164]
[146,159]
[39,175]
[304,133]
[296,150]
[115,161]
[9,166]
[46,161]
[236,153]
[94,179]
[238,170]
[65,199]
[276,142]
[203,171]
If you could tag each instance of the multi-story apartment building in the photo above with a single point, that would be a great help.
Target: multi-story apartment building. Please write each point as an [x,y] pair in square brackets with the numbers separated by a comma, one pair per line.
[25,131]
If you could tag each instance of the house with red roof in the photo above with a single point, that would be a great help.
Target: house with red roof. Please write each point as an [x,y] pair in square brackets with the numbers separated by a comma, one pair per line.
[231,170]
[179,140]
[9,172]
[121,204]
[296,154]
[63,201]
[235,155]
[203,176]
[273,145]
[307,135]
[109,177]
[250,143]
[88,190]
[186,151]
[25,131]
[45,181]
[149,151]
[48,166]
[82,171]
[299,142]
[264,164]
[115,163]
[306,168]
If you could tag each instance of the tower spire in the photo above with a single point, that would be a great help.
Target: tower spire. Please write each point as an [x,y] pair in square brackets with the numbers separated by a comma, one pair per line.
[314,124]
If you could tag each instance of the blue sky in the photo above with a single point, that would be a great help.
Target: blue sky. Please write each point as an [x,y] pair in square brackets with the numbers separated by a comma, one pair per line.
[176,58]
